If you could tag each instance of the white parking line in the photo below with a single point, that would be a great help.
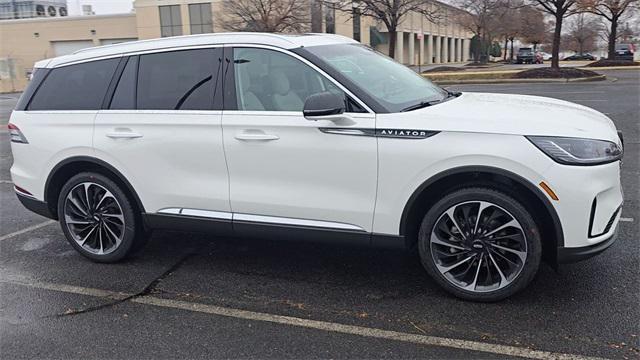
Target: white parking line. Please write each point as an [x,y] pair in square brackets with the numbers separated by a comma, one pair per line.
[16,280]
[27,229]
[506,350]
[6,182]
[626,219]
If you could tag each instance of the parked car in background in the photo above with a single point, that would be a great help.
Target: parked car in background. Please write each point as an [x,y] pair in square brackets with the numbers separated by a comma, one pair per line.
[525,56]
[545,56]
[625,51]
[312,137]
[585,56]
[539,59]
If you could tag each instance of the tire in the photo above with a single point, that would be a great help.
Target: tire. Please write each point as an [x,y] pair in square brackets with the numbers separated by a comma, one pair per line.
[102,226]
[504,241]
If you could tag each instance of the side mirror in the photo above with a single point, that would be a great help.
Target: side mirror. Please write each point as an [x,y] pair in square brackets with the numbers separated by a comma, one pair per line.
[323,105]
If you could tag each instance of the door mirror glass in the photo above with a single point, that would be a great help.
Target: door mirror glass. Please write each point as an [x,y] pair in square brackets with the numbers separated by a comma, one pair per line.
[323,104]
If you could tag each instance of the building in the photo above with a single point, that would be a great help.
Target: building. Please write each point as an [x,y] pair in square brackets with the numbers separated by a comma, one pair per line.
[25,9]
[25,41]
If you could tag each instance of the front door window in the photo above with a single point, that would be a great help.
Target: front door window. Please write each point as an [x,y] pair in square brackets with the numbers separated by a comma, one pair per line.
[268,80]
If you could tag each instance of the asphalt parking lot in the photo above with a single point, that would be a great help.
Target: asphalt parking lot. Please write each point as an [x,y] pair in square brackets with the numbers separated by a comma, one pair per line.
[195,296]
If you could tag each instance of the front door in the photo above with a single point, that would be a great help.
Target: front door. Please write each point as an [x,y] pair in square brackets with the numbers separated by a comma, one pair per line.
[283,168]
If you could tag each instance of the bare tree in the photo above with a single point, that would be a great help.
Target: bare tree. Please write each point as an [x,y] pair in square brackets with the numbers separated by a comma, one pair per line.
[392,12]
[559,9]
[532,26]
[582,34]
[508,28]
[266,15]
[612,11]
[482,18]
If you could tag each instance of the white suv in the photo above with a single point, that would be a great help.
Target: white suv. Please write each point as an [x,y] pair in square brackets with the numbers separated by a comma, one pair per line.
[312,137]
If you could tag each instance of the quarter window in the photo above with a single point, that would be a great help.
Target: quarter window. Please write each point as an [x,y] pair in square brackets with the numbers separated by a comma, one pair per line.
[200,18]
[170,20]
[75,87]
[177,80]
[272,81]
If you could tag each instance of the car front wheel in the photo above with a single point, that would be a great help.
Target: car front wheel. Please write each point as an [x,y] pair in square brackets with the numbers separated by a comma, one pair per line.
[480,244]
[98,219]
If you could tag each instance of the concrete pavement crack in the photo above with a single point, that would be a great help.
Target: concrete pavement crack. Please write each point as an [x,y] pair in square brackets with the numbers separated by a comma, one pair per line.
[148,289]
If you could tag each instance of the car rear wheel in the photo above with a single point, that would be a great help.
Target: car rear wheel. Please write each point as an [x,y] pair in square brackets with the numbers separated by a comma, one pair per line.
[480,244]
[98,219]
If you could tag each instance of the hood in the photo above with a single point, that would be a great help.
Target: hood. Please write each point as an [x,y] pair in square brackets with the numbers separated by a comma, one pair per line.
[513,114]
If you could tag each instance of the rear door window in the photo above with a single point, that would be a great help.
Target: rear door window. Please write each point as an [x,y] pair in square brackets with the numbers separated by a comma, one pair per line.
[178,80]
[75,87]
[124,97]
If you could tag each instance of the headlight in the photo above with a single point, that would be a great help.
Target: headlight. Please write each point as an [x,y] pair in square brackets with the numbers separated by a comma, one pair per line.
[576,151]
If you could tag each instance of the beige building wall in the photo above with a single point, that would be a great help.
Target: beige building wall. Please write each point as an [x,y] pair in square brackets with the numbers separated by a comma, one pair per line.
[25,41]
[148,16]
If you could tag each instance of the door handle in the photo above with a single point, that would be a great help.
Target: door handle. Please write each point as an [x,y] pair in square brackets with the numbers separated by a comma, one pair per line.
[255,136]
[123,134]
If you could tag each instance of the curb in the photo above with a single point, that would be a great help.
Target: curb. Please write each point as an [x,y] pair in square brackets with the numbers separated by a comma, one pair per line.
[519,81]
[596,68]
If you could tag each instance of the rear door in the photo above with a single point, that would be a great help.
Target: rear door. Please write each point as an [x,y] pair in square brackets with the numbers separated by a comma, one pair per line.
[162,130]
[283,168]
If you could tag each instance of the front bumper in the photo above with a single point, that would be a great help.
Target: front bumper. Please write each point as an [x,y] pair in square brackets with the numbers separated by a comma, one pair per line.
[590,200]
[570,255]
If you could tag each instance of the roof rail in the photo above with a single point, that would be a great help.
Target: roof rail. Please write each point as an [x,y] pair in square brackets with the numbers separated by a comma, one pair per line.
[213,35]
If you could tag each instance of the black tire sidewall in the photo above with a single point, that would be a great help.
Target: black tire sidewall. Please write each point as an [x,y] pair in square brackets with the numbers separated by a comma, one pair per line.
[129,238]
[534,248]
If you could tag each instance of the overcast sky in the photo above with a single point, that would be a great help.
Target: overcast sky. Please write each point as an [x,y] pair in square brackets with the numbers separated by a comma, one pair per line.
[100,6]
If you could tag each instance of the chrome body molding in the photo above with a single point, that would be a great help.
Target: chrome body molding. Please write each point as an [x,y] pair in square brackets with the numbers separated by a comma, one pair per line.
[295,222]
[207,213]
[221,215]
[197,213]
[383,133]
[173,211]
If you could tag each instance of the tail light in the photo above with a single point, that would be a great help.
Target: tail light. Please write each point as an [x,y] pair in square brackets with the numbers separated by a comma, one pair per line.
[16,135]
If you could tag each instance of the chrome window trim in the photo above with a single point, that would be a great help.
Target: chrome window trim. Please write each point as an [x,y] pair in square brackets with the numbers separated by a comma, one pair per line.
[137,52]
[160,111]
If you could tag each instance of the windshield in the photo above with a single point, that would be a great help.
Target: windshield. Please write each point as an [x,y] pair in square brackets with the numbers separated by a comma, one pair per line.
[394,86]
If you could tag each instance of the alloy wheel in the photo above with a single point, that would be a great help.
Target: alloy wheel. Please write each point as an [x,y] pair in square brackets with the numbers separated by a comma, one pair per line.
[94,218]
[478,246]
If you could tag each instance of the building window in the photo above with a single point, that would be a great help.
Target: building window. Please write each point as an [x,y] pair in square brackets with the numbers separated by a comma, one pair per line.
[356,24]
[200,18]
[330,19]
[170,20]
[316,16]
